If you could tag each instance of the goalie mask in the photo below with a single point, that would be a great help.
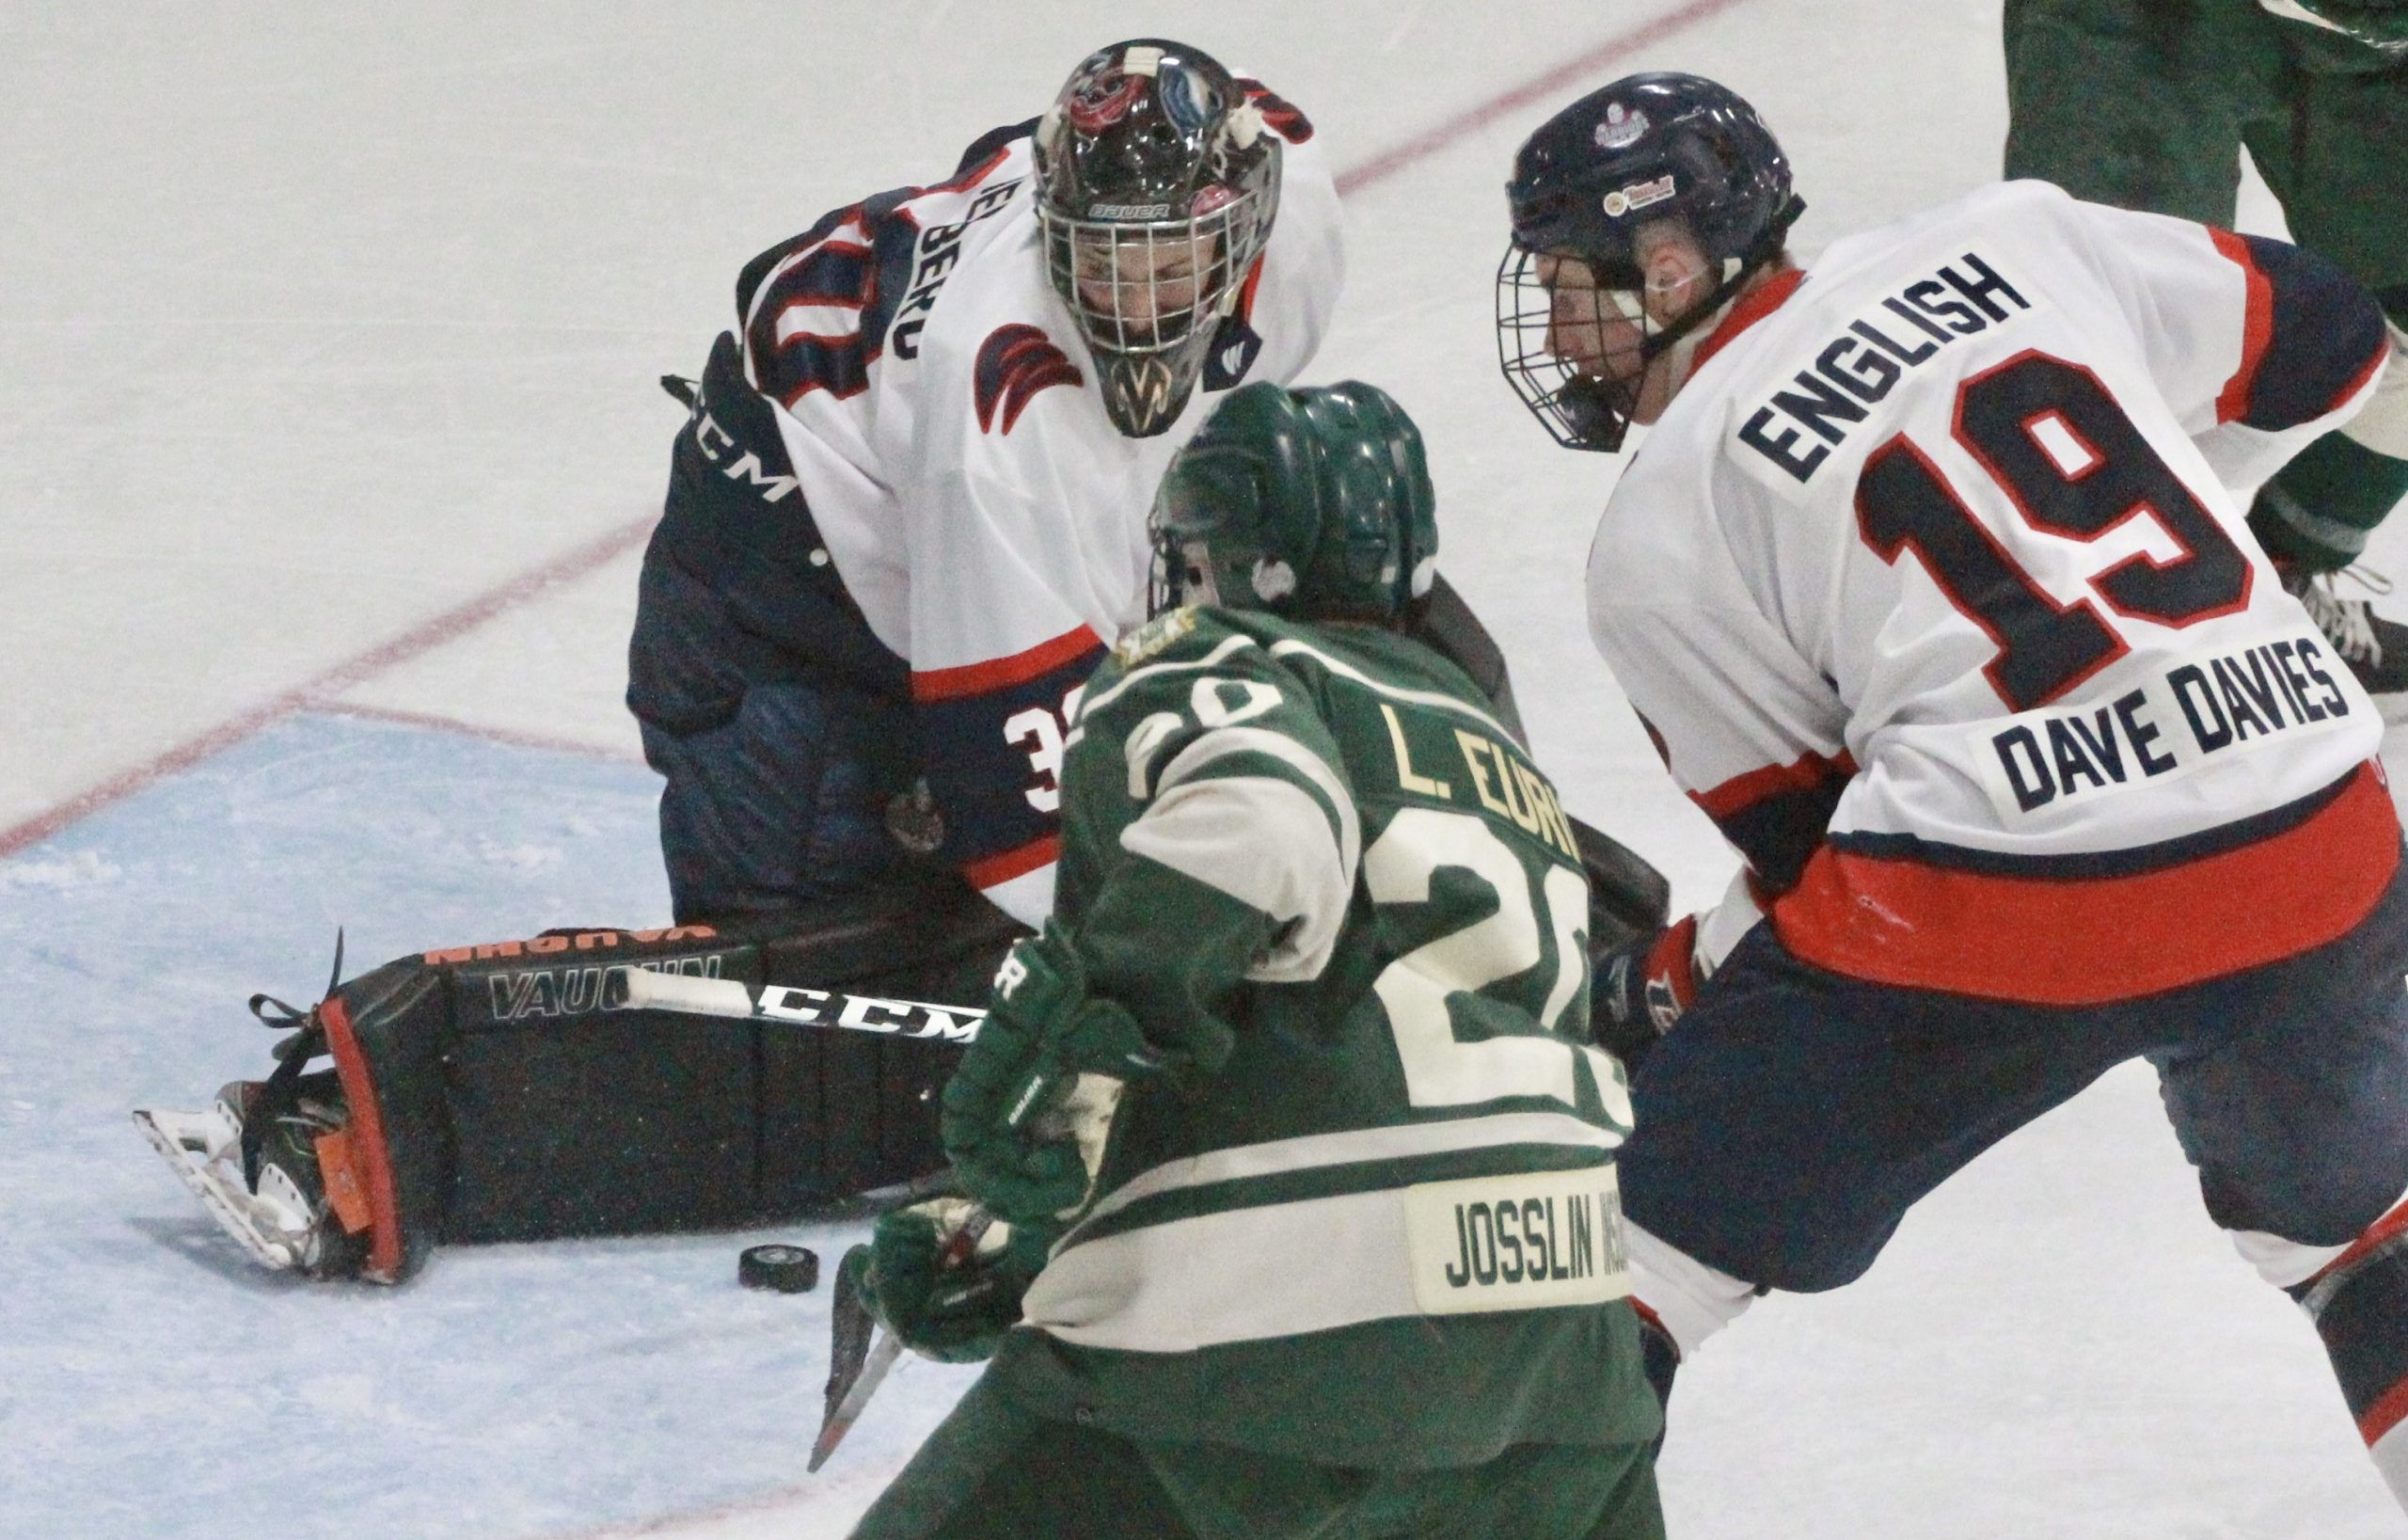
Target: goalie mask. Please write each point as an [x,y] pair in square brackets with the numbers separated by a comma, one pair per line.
[1310,503]
[1588,190]
[1156,185]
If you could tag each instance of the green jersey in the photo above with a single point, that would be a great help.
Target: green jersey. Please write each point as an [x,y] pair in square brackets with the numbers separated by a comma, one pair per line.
[1378,1224]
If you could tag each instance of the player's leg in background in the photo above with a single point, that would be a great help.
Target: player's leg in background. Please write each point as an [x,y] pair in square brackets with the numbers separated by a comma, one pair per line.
[991,1468]
[2333,148]
[2133,103]
[2145,104]
[1786,1124]
[2294,1107]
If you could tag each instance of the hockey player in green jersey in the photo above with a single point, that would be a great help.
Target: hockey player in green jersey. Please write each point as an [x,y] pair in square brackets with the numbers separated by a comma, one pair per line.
[2147,105]
[1291,1203]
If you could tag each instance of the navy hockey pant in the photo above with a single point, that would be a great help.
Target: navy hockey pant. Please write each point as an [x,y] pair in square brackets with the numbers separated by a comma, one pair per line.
[783,802]
[1789,1121]
[783,726]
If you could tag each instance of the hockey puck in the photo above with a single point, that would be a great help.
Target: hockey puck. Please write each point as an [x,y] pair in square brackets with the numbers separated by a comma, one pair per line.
[788,1269]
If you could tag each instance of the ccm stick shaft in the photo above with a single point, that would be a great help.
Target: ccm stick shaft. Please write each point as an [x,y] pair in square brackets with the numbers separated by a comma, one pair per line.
[639,989]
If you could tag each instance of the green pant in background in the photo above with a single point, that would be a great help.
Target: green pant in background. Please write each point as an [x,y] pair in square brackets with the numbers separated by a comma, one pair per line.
[2146,105]
[994,1470]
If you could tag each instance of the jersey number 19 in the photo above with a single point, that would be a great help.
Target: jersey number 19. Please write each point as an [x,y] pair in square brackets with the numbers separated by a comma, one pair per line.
[2074,465]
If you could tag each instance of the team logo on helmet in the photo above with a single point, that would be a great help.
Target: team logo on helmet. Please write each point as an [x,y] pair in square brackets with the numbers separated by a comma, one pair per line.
[1622,126]
[1103,100]
[1143,387]
[1638,195]
[1186,98]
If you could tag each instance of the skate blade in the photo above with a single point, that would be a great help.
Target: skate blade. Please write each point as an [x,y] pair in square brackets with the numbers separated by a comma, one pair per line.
[184,1139]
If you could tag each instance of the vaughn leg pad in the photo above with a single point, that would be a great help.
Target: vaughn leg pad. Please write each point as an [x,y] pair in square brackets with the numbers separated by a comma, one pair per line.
[486,1094]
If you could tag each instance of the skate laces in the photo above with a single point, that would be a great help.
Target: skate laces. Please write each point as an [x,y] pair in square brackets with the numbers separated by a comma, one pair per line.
[2348,623]
[278,1100]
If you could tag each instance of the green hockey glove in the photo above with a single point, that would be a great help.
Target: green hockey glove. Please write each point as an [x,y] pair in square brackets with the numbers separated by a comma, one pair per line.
[945,1279]
[1028,1113]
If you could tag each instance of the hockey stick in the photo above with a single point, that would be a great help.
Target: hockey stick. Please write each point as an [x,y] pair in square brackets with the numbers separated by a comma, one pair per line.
[635,989]
[856,1368]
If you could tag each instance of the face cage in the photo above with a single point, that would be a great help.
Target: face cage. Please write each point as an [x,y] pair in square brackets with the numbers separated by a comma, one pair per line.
[1579,411]
[1218,248]
[1166,575]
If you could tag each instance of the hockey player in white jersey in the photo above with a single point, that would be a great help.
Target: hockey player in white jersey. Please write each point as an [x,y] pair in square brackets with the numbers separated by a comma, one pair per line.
[1928,584]
[908,513]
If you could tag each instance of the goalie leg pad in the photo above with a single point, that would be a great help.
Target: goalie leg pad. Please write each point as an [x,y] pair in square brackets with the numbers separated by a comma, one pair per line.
[842,1112]
[383,1032]
[485,1093]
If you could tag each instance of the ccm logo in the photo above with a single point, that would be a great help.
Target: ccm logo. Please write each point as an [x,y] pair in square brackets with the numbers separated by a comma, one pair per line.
[1014,363]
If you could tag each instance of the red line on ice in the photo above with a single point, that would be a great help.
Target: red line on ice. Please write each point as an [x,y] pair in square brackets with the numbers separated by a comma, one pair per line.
[455,622]
[466,617]
[1613,51]
[457,727]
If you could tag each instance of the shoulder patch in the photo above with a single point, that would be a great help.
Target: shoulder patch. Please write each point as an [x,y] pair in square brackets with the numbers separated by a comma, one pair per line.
[1015,362]
[1153,636]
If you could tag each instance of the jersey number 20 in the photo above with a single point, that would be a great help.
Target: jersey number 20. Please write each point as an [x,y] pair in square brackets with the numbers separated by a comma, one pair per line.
[2074,465]
[1441,1070]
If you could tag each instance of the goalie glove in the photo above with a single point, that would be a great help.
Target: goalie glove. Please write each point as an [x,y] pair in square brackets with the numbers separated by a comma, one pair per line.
[1028,1115]
[1643,987]
[945,1279]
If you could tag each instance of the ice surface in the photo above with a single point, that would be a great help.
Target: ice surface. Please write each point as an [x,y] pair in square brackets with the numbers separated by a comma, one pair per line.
[318,323]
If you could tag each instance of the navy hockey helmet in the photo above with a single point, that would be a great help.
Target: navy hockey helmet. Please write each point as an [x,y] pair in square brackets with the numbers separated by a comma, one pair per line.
[1313,503]
[1157,183]
[1645,148]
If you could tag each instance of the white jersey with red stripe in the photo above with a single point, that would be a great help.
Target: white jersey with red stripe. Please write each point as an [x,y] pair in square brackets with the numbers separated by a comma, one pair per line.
[948,431]
[1930,588]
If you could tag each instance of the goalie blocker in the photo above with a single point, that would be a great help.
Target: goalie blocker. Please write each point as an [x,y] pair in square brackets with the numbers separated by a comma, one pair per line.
[487,1092]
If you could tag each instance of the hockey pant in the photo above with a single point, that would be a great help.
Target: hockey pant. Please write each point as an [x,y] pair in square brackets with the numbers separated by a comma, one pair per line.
[1785,1126]
[995,1468]
[784,730]
[493,1097]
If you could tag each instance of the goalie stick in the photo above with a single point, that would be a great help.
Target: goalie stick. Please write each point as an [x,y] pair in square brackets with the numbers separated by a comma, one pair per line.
[633,988]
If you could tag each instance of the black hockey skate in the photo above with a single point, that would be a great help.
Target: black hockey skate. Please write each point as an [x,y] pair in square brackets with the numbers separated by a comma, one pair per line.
[2375,649]
[270,1159]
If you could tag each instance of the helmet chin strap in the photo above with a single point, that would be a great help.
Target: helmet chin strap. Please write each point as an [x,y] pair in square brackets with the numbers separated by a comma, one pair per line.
[1690,332]
[1683,337]
[1675,344]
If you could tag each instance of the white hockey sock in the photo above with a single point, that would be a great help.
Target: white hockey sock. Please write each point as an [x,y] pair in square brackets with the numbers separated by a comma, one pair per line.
[1690,1300]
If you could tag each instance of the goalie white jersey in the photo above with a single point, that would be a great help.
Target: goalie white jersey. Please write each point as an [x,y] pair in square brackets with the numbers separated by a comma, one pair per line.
[944,423]
[1931,590]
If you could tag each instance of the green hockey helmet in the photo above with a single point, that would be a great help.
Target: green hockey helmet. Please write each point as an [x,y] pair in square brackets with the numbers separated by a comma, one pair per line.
[1314,504]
